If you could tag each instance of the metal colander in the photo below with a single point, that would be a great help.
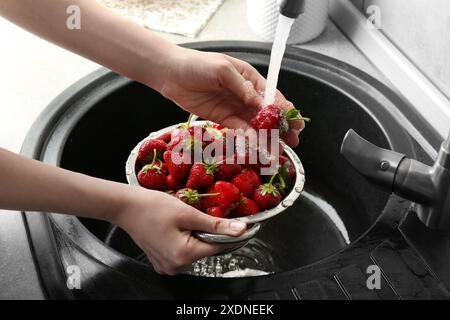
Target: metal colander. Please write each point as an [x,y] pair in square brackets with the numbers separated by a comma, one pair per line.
[254,221]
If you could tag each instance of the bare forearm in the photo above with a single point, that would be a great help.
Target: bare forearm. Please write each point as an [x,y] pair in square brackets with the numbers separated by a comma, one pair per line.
[104,37]
[27,184]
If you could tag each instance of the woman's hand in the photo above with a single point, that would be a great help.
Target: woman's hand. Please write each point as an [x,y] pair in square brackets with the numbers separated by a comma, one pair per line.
[219,88]
[161,225]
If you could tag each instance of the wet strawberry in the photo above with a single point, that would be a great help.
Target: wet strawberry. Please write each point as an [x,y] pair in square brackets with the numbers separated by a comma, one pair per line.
[208,202]
[172,183]
[246,207]
[166,137]
[273,117]
[201,176]
[267,195]
[217,212]
[145,153]
[227,168]
[152,176]
[182,131]
[187,147]
[247,182]
[176,165]
[228,195]
[191,197]
[287,169]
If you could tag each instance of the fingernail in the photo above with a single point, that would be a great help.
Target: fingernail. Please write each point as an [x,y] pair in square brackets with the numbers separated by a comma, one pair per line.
[237,226]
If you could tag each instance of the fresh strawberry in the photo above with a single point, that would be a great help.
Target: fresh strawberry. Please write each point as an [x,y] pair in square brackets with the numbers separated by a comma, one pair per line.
[201,176]
[192,197]
[208,202]
[213,131]
[253,177]
[227,168]
[267,195]
[179,171]
[182,131]
[176,141]
[228,195]
[152,175]
[247,182]
[217,212]
[246,207]
[286,167]
[166,137]
[273,117]
[172,183]
[145,154]
[187,147]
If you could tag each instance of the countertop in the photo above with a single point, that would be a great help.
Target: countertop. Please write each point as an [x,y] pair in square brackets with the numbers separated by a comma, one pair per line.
[33,72]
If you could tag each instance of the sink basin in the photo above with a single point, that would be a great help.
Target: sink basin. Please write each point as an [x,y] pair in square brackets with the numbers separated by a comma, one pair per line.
[102,118]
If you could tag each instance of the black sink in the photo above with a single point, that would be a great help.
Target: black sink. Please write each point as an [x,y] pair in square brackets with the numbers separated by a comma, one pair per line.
[92,127]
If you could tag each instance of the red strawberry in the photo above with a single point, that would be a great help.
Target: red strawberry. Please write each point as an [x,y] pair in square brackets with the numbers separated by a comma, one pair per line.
[273,117]
[247,207]
[286,167]
[227,169]
[247,182]
[253,177]
[217,212]
[182,130]
[201,176]
[145,154]
[178,171]
[172,183]
[186,147]
[152,175]
[208,202]
[267,195]
[228,195]
[166,137]
[192,197]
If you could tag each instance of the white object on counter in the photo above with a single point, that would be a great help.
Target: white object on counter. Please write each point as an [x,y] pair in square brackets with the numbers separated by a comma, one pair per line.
[262,16]
[187,17]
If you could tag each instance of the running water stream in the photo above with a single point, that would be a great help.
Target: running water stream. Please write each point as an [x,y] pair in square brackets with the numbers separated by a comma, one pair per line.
[279,47]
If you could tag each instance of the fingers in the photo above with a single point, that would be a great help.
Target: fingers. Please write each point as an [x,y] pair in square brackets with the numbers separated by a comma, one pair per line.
[234,81]
[291,138]
[198,221]
[249,73]
[199,249]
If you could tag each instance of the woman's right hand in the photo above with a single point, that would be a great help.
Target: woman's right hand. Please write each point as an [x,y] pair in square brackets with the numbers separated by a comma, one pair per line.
[161,225]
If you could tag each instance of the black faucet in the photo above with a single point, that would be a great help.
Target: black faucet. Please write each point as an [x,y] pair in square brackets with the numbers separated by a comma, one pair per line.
[427,186]
[292,8]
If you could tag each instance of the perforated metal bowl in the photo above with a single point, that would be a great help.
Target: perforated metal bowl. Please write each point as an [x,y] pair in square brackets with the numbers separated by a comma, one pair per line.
[254,220]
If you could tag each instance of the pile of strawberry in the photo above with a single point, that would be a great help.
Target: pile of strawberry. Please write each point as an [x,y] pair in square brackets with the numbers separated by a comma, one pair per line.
[221,188]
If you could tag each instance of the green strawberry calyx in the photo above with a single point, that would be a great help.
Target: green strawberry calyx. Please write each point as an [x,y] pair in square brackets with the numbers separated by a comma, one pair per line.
[290,115]
[294,114]
[268,188]
[152,165]
[210,168]
[191,196]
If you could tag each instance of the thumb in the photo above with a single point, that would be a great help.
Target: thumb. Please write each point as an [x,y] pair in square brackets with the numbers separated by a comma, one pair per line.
[199,221]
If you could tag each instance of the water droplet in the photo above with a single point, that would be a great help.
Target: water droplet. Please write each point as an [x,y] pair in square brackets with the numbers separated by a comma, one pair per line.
[299,189]
[128,171]
[287,203]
